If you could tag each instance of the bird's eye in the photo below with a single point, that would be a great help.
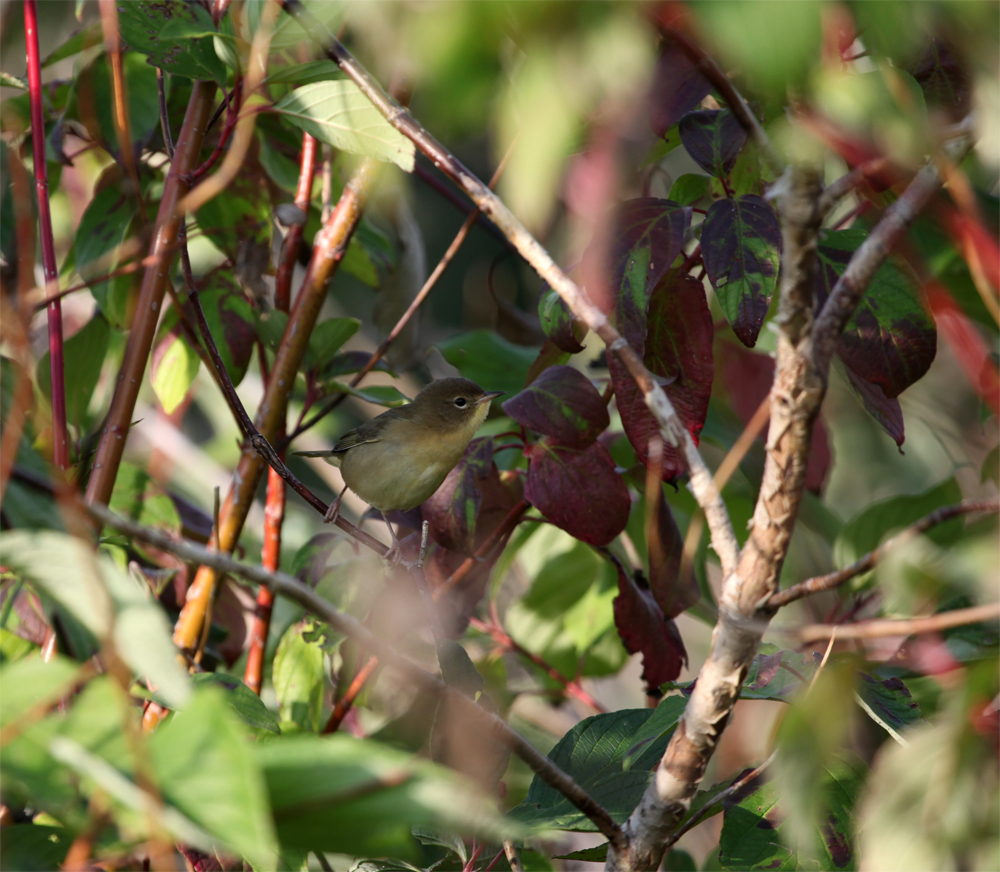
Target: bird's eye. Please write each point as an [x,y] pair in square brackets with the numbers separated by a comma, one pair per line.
[461,402]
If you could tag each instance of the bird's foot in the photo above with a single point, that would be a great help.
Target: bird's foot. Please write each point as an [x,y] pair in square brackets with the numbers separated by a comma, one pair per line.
[333,512]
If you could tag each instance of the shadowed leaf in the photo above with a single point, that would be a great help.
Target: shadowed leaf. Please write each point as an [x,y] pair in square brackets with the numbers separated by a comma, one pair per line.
[453,509]
[741,244]
[578,490]
[673,594]
[891,339]
[944,79]
[885,410]
[563,403]
[677,89]
[679,355]
[230,321]
[713,138]
[558,324]
[890,699]
[645,630]
[648,237]
[143,22]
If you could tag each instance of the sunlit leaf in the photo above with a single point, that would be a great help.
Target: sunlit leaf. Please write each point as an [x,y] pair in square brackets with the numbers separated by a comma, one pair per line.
[173,370]
[338,113]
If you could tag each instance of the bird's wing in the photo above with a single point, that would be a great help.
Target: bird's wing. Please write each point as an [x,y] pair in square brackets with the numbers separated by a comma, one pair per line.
[373,430]
[354,438]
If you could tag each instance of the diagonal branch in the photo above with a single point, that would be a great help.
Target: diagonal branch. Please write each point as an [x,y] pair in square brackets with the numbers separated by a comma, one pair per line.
[835,579]
[287,586]
[906,627]
[672,428]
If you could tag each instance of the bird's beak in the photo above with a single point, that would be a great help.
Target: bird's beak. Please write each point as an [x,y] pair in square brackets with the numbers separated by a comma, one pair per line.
[489,395]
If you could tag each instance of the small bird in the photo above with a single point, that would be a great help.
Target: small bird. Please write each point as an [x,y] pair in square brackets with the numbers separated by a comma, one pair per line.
[399,458]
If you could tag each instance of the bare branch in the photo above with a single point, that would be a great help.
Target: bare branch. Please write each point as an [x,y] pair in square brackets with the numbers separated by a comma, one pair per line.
[286,585]
[907,627]
[672,428]
[835,579]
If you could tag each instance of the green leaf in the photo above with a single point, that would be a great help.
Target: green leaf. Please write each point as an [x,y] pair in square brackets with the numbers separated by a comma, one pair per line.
[339,114]
[231,322]
[866,530]
[305,74]
[30,681]
[489,360]
[206,768]
[86,37]
[142,22]
[890,700]
[360,797]
[690,189]
[326,339]
[298,674]
[243,702]
[594,754]
[30,847]
[380,395]
[662,723]
[138,498]
[174,369]
[83,355]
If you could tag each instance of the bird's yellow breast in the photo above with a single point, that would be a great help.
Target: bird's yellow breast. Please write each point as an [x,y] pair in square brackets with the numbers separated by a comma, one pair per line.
[408,462]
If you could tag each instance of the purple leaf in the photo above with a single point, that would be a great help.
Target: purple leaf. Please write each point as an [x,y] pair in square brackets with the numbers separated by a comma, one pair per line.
[558,323]
[890,340]
[677,88]
[672,593]
[643,629]
[562,403]
[679,353]
[453,509]
[578,490]
[885,410]
[713,138]
[648,237]
[741,244]
[944,79]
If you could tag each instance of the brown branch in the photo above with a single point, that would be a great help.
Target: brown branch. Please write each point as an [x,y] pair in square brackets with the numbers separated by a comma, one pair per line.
[285,585]
[835,579]
[112,444]
[908,627]
[672,429]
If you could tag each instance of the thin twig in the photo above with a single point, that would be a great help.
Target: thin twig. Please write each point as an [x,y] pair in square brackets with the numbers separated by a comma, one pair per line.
[835,579]
[290,587]
[344,704]
[906,627]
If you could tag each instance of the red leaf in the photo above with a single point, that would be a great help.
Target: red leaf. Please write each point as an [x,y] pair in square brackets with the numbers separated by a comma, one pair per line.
[885,410]
[578,490]
[643,629]
[748,377]
[677,88]
[453,510]
[678,352]
[672,593]
[713,138]
[648,237]
[562,403]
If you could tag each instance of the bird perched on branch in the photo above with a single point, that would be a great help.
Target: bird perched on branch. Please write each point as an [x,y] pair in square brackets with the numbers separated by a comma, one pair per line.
[398,459]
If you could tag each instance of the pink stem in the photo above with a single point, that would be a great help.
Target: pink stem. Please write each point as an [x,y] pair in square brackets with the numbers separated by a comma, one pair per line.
[60,438]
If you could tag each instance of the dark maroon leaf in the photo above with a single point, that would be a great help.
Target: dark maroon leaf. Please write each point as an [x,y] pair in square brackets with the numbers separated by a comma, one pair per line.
[885,410]
[713,138]
[643,629]
[748,378]
[453,509]
[578,490]
[648,237]
[679,353]
[944,79]
[677,89]
[741,244]
[673,594]
[562,403]
[558,323]
[891,339]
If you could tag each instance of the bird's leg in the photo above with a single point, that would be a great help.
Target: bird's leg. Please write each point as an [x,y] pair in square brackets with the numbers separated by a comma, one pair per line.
[395,553]
[333,512]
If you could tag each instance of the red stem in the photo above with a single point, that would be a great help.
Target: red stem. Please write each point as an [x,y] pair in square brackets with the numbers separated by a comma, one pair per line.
[60,438]
[290,248]
[344,704]
[232,116]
